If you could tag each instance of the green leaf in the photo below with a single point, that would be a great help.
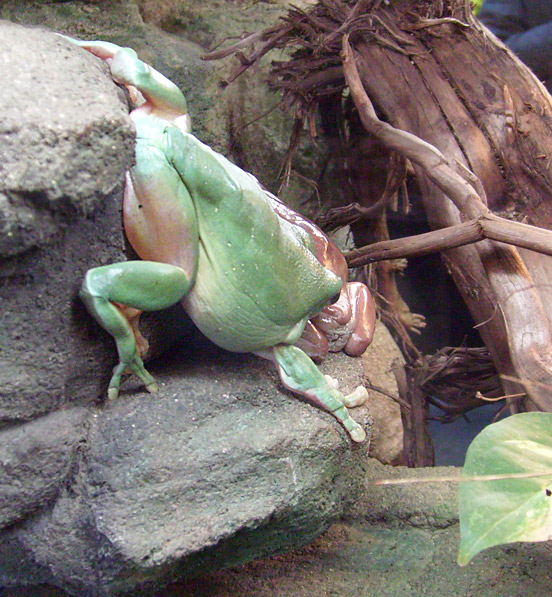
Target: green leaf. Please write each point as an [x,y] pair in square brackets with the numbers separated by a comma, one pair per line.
[507,510]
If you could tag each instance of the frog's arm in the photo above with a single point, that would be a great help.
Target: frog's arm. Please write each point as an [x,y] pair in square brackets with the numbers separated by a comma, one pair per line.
[143,285]
[162,95]
[302,376]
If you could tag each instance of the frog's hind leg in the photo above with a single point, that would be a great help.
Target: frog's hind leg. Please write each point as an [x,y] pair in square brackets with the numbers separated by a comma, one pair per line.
[302,376]
[132,315]
[116,294]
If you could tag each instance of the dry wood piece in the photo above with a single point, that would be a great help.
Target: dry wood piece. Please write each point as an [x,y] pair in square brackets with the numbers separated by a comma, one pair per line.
[417,443]
[460,379]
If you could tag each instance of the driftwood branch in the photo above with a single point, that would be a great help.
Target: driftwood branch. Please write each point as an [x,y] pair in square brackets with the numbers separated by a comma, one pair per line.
[338,217]
[507,292]
[244,42]
[487,226]
[418,445]
[271,36]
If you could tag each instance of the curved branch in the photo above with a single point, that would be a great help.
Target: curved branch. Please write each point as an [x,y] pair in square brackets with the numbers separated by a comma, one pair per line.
[354,212]
[436,166]
[487,226]
[249,40]
[272,35]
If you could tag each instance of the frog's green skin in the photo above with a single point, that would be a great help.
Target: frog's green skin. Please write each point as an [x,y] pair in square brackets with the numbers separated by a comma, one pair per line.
[209,236]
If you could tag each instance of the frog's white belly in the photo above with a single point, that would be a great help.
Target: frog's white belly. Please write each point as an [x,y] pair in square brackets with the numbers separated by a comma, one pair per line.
[238,326]
[228,314]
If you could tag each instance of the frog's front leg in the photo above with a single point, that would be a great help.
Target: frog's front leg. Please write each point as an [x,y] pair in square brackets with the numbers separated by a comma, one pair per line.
[162,96]
[142,285]
[301,375]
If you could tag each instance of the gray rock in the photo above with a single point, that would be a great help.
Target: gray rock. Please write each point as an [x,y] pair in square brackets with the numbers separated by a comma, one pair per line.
[65,136]
[216,469]
[65,142]
[221,466]
[398,540]
[35,461]
[386,443]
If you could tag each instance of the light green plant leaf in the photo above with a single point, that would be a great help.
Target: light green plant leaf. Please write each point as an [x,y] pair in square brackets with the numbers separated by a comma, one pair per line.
[507,510]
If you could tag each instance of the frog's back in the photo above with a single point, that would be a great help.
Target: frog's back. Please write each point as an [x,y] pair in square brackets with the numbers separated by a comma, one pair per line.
[258,280]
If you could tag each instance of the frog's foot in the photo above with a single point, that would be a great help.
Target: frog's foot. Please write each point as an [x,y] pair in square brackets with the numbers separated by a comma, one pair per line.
[140,79]
[300,374]
[349,323]
[116,294]
[357,397]
[137,367]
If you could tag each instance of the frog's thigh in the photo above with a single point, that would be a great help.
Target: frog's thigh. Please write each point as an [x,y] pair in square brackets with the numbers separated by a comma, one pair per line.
[302,376]
[144,285]
[159,215]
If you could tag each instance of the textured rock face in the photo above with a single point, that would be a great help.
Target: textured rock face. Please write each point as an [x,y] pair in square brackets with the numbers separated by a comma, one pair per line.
[40,112]
[386,444]
[219,467]
[65,142]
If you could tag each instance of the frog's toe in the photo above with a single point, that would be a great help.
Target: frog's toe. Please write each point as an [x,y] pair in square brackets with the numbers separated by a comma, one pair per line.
[138,368]
[356,398]
[332,382]
[112,393]
[115,382]
[135,366]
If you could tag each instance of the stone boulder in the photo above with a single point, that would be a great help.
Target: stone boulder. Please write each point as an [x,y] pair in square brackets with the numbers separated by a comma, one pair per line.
[65,142]
[386,444]
[221,466]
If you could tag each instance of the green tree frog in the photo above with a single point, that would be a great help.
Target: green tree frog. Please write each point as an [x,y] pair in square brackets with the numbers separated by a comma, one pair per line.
[252,274]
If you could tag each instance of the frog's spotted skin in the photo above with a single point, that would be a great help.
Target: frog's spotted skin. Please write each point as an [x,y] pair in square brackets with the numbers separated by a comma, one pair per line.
[253,275]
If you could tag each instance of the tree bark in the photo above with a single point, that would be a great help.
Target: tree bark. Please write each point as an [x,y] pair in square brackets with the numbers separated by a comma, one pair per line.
[418,448]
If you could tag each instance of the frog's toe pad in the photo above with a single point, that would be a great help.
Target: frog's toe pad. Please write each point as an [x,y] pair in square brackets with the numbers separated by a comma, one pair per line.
[356,397]
[358,434]
[152,387]
[332,382]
